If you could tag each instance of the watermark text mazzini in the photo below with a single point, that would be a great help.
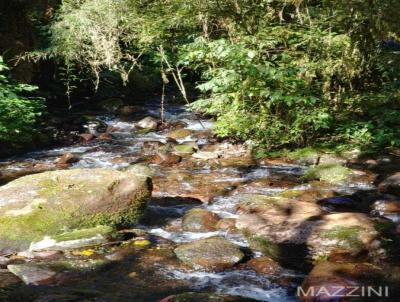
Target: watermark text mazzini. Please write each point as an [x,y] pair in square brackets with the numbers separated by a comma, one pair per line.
[343,291]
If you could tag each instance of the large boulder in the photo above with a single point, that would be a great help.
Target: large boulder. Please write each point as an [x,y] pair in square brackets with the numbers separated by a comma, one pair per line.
[214,253]
[51,203]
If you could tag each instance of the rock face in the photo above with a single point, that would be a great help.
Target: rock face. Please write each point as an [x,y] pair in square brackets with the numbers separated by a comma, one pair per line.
[199,220]
[54,202]
[391,185]
[212,253]
[274,223]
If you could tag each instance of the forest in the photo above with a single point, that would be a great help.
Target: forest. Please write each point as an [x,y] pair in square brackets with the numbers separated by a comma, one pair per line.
[280,74]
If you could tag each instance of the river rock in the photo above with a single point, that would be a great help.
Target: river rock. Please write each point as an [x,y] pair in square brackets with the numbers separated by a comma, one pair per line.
[50,203]
[184,149]
[40,255]
[389,209]
[166,159]
[95,126]
[180,133]
[214,253]
[199,220]
[141,170]
[200,186]
[205,155]
[74,239]
[32,274]
[87,137]
[387,206]
[105,137]
[391,185]
[264,265]
[148,123]
[204,297]
[67,159]
[129,110]
[226,224]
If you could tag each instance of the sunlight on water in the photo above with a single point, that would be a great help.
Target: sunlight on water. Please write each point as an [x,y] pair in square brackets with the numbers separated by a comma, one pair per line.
[243,283]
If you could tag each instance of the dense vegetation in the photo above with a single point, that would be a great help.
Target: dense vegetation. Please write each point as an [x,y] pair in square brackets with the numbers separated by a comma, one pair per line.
[277,73]
[19,111]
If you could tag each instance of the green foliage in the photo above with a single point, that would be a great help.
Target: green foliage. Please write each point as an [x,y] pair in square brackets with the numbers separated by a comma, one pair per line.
[276,73]
[18,112]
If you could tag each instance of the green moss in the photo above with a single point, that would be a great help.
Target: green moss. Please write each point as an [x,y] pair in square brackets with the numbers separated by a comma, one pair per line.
[291,193]
[184,149]
[331,173]
[302,153]
[126,217]
[85,233]
[143,131]
[263,245]
[33,226]
[348,236]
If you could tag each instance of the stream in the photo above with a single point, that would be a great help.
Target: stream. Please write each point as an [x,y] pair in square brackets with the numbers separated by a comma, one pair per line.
[152,272]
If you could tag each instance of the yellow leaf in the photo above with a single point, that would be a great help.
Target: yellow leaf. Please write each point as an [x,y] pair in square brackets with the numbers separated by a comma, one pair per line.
[88,252]
[142,242]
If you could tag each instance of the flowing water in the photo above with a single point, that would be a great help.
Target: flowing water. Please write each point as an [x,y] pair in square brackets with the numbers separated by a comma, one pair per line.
[143,276]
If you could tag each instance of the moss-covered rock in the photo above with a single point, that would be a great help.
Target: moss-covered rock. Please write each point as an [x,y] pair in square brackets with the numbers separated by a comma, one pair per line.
[52,203]
[187,149]
[331,173]
[180,133]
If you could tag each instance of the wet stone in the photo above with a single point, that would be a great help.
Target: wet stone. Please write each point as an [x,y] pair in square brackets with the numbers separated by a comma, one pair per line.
[212,253]
[264,265]
[199,220]
[32,274]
